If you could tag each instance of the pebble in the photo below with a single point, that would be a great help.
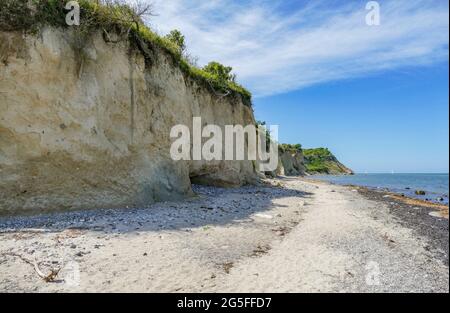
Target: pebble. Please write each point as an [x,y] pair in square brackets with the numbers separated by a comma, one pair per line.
[436,214]
[266,216]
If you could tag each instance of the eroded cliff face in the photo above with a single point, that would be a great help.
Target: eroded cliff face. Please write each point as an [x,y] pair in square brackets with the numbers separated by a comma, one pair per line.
[293,163]
[91,128]
[290,163]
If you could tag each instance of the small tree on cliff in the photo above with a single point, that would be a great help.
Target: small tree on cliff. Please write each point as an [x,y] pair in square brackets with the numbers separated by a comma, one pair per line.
[176,37]
[220,72]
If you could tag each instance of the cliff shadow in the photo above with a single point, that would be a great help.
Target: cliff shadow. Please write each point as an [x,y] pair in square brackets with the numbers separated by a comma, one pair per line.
[210,206]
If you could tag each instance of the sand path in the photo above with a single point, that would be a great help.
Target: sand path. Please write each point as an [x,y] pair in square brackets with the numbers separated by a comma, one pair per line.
[304,237]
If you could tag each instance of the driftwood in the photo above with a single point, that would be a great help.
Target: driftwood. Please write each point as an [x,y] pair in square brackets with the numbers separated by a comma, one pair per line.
[51,277]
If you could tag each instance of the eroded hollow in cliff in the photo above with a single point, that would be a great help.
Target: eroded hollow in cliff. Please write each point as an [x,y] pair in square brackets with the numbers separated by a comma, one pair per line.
[212,180]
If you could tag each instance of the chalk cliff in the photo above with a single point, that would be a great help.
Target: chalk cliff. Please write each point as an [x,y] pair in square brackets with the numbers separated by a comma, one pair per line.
[91,128]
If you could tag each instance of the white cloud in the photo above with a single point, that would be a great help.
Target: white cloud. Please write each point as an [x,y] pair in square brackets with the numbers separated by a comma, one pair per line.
[275,50]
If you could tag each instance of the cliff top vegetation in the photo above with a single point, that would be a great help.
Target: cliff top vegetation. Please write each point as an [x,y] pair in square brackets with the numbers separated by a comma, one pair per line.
[116,16]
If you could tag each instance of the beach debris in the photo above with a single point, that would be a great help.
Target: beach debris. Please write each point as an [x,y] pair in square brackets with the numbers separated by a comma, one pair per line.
[389,240]
[386,196]
[227,267]
[281,231]
[266,216]
[260,250]
[82,253]
[420,192]
[51,277]
[436,214]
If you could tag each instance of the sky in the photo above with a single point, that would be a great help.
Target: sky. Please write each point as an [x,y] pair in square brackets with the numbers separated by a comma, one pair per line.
[377,96]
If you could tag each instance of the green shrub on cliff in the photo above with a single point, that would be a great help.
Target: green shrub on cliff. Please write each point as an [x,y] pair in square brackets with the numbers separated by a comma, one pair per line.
[317,167]
[321,160]
[15,15]
[111,16]
[318,153]
[286,147]
[176,37]
[221,72]
[317,160]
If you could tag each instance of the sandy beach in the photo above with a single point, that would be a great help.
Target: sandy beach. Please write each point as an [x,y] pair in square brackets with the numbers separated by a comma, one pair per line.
[286,235]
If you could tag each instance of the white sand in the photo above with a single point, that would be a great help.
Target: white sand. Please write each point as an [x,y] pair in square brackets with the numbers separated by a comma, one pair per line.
[300,238]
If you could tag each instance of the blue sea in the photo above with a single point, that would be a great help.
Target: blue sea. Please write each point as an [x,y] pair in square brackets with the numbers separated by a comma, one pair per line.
[435,185]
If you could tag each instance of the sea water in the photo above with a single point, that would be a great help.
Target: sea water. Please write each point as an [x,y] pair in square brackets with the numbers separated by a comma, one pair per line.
[435,185]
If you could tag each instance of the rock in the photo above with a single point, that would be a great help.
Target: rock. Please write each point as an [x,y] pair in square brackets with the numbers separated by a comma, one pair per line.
[73,246]
[436,214]
[420,192]
[266,216]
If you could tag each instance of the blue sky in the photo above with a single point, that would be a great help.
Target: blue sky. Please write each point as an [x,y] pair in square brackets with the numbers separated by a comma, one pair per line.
[392,121]
[377,96]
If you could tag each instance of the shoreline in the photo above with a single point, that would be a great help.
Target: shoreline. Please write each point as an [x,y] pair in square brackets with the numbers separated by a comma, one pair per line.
[441,208]
[288,235]
[427,218]
[408,192]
